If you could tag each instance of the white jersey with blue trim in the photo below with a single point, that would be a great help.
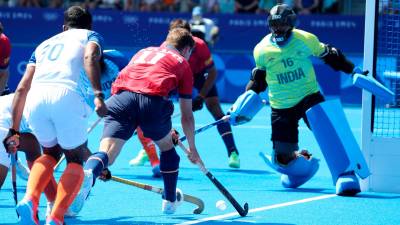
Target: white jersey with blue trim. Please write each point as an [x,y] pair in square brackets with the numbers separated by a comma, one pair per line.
[205,26]
[59,59]
[5,114]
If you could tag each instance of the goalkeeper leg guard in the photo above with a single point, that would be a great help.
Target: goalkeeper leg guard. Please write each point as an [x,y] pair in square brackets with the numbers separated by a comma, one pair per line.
[338,145]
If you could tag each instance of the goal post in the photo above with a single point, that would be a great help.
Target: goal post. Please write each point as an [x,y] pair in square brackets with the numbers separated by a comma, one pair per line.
[380,120]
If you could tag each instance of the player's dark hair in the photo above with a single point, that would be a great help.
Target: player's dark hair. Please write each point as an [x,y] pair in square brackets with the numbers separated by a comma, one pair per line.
[77,17]
[1,28]
[179,23]
[180,38]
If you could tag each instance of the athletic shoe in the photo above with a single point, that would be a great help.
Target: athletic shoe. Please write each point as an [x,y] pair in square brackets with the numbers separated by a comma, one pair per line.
[170,207]
[22,170]
[347,184]
[234,160]
[156,171]
[26,213]
[52,221]
[50,206]
[83,194]
[140,159]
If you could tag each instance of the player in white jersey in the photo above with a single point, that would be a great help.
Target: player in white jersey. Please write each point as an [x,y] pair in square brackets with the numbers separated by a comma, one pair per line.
[203,28]
[5,122]
[56,110]
[28,144]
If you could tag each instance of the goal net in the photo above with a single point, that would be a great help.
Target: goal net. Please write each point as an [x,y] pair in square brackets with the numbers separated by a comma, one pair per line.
[381,120]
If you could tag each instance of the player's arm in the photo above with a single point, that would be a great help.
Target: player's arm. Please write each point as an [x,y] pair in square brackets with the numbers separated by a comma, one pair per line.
[335,59]
[257,81]
[338,61]
[19,100]
[92,66]
[11,141]
[187,119]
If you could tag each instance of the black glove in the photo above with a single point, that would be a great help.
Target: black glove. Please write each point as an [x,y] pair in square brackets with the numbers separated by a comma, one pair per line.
[10,141]
[105,175]
[197,103]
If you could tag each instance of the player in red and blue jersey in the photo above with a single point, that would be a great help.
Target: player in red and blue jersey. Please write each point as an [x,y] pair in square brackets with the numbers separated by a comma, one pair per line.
[204,75]
[140,98]
[5,51]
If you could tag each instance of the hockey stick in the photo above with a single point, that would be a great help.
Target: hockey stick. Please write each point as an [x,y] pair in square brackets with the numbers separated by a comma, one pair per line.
[14,158]
[88,131]
[242,211]
[208,126]
[186,198]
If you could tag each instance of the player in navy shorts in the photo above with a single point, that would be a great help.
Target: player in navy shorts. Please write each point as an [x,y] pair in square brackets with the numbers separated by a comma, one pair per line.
[140,98]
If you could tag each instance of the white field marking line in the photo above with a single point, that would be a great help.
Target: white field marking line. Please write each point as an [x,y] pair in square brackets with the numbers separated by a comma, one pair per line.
[265,208]
[254,126]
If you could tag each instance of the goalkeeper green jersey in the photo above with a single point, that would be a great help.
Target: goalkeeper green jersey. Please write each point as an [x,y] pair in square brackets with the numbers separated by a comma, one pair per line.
[290,73]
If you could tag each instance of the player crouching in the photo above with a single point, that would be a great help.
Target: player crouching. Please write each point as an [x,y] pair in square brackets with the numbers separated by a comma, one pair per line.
[283,65]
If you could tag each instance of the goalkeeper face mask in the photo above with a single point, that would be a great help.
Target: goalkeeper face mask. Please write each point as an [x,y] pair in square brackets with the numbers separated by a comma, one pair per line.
[281,21]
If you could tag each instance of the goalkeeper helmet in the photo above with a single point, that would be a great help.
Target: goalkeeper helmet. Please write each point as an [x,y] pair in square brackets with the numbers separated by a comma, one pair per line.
[281,21]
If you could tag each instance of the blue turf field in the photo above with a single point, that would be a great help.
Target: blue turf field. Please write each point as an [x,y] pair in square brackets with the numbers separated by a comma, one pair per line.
[270,204]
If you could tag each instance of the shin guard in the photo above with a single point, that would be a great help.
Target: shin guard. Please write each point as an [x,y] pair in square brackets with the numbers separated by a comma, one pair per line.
[336,140]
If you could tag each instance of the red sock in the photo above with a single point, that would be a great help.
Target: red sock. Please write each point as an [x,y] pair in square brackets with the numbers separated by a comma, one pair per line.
[51,188]
[149,147]
[41,172]
[67,189]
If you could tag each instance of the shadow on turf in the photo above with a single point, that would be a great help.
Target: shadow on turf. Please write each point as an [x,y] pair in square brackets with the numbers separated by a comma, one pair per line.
[306,190]
[144,177]
[256,172]
[377,196]
[114,221]
[241,223]
[219,170]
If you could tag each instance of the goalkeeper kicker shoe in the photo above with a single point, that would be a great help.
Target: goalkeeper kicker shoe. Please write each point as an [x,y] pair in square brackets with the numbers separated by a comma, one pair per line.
[234,161]
[83,194]
[347,184]
[140,159]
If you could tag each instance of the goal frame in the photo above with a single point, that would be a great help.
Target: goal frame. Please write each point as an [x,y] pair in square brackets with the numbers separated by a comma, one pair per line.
[382,153]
